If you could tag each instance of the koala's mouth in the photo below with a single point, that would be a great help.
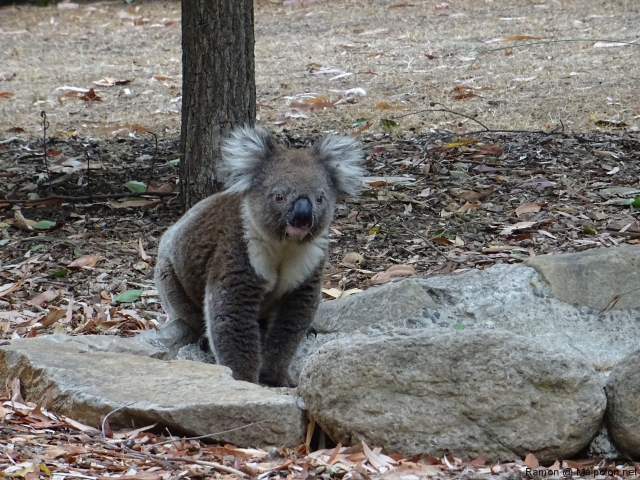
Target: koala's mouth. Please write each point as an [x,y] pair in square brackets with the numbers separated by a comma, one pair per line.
[297,233]
[300,220]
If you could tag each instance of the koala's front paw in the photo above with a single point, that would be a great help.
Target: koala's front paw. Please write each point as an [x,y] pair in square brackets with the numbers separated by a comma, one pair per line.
[246,377]
[277,380]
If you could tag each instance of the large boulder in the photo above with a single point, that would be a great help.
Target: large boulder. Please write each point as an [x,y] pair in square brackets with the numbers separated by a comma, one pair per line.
[187,397]
[603,278]
[623,407]
[469,393]
[514,298]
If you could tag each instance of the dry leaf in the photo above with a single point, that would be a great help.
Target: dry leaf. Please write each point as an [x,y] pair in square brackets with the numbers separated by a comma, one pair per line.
[134,203]
[518,226]
[337,293]
[46,296]
[468,206]
[533,207]
[90,96]
[497,248]
[392,272]
[516,38]
[85,261]
[353,258]
[531,461]
[470,195]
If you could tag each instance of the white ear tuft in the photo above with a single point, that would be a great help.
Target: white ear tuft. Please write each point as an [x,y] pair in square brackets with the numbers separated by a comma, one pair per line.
[242,154]
[343,158]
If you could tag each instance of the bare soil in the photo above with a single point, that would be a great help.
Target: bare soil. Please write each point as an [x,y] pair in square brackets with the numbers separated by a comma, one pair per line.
[532,149]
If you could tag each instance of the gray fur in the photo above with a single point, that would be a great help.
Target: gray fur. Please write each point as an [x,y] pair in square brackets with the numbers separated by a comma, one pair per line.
[237,268]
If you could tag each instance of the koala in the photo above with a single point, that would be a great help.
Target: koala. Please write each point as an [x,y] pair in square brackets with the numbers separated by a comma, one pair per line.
[245,265]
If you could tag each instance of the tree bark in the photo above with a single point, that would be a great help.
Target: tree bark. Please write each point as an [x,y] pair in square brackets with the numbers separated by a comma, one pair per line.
[218,87]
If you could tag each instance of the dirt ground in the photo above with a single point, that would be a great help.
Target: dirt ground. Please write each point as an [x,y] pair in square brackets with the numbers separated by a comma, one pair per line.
[533,148]
[404,55]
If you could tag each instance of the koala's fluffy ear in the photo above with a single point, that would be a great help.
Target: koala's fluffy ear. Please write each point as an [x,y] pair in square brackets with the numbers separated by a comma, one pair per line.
[343,158]
[242,154]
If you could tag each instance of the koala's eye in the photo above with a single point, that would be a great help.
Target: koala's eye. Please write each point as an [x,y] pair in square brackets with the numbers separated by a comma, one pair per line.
[319,199]
[279,198]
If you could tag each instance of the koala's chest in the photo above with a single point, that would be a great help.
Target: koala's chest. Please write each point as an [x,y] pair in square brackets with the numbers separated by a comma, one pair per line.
[285,266]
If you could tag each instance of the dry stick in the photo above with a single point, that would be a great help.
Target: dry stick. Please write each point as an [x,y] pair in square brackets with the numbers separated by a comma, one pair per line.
[545,42]
[45,125]
[615,300]
[160,456]
[90,197]
[165,458]
[86,154]
[153,162]
[486,129]
[209,435]
[104,420]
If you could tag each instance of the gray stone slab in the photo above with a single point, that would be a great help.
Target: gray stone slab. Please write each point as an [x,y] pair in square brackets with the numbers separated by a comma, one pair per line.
[594,278]
[187,397]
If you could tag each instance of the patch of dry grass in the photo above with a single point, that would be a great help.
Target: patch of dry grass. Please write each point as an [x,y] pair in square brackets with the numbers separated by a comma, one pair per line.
[403,54]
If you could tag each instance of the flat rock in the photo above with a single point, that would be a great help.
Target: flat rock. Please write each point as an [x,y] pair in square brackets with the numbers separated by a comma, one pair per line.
[468,393]
[513,298]
[623,408]
[171,337]
[137,345]
[594,278]
[187,397]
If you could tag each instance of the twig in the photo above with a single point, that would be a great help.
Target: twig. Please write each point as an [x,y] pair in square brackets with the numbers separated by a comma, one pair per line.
[153,162]
[428,242]
[104,420]
[615,300]
[45,125]
[545,42]
[209,435]
[215,465]
[86,154]
[63,198]
[486,129]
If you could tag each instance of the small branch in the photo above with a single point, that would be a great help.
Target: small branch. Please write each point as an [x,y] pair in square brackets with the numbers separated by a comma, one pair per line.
[45,125]
[215,465]
[545,42]
[153,162]
[106,417]
[209,435]
[486,129]
[87,198]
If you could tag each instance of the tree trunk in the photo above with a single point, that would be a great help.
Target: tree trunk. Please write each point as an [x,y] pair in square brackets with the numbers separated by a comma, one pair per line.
[218,87]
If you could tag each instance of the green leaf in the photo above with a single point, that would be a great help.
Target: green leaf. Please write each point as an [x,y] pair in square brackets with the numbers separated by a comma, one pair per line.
[387,124]
[368,193]
[456,174]
[128,296]
[4,241]
[174,162]
[634,202]
[136,187]
[459,326]
[59,273]
[43,225]
[76,253]
[359,122]
[37,247]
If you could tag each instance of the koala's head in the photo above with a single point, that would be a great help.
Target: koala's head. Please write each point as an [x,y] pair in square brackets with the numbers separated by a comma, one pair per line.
[289,193]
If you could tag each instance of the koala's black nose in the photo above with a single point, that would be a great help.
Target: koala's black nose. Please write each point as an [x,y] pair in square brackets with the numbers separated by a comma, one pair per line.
[302,213]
